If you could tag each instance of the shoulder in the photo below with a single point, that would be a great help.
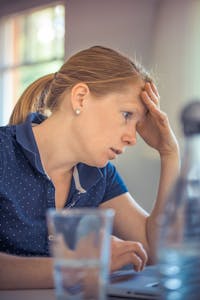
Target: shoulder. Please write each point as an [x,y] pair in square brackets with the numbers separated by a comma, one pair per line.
[115,185]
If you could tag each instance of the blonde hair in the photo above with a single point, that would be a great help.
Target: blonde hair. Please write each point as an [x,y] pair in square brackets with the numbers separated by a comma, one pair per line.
[104,70]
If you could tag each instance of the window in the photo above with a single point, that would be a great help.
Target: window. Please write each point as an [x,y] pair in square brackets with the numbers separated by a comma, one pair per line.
[32,45]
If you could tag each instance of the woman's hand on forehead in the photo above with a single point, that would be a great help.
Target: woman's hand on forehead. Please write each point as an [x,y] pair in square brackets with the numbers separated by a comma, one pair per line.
[155,128]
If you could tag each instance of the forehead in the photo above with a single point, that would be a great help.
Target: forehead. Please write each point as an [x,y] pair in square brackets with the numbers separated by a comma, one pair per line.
[131,97]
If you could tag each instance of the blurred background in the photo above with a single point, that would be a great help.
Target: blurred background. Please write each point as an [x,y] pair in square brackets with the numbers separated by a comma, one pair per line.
[164,35]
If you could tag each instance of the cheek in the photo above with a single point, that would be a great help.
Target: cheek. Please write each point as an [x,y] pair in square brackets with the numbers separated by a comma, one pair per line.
[98,125]
[100,129]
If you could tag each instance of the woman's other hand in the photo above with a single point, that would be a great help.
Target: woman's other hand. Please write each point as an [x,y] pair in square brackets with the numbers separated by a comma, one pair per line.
[127,252]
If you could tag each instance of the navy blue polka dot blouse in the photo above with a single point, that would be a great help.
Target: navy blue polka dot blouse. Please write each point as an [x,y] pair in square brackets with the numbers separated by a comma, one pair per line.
[26,192]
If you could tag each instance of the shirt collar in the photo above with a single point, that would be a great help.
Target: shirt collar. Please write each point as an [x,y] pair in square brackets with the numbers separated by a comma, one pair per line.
[25,137]
[84,176]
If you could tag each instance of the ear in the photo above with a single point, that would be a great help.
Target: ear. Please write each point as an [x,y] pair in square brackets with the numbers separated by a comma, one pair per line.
[79,95]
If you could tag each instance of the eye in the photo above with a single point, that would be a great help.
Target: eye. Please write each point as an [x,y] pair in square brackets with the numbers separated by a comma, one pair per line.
[127,115]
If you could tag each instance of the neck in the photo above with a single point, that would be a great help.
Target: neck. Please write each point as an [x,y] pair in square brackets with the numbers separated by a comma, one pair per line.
[56,155]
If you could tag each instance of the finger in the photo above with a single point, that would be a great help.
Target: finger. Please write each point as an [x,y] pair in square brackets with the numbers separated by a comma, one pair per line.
[155,90]
[154,109]
[141,252]
[135,260]
[152,94]
[151,105]
[125,259]
[125,246]
[137,248]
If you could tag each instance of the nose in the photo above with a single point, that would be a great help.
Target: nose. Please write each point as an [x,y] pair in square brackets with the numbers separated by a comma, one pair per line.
[129,137]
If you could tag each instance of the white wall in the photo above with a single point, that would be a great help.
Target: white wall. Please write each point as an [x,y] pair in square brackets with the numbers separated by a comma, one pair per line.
[163,36]
[176,54]
[125,25]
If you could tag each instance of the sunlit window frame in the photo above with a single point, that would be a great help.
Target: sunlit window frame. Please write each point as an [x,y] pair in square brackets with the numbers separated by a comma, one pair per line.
[9,67]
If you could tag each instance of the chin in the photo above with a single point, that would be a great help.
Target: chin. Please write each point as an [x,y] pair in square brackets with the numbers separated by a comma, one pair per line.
[102,165]
[98,164]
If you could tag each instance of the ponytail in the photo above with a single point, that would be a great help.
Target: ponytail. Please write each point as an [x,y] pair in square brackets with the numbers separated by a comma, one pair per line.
[32,100]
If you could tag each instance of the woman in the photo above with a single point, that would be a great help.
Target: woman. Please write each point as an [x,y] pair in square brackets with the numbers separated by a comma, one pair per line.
[85,115]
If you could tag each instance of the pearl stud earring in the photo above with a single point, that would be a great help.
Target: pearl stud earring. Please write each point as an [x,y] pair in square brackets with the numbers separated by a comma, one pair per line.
[77,111]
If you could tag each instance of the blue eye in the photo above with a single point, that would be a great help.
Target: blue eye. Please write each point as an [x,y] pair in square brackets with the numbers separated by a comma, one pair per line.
[127,115]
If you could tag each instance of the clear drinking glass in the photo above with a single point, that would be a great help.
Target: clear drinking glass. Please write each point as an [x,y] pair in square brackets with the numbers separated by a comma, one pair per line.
[80,245]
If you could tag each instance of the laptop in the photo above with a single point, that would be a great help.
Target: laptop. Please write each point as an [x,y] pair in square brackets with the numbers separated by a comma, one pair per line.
[141,285]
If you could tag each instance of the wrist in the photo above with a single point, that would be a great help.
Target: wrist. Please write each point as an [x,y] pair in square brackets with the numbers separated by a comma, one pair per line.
[171,161]
[170,154]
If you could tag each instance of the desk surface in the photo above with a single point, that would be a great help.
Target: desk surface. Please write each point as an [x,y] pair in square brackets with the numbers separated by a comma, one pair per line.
[36,295]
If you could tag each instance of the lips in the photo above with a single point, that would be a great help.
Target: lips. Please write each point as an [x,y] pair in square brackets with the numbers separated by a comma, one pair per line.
[116,151]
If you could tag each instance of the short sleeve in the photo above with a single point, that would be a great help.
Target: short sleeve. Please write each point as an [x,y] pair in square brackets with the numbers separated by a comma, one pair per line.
[115,185]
